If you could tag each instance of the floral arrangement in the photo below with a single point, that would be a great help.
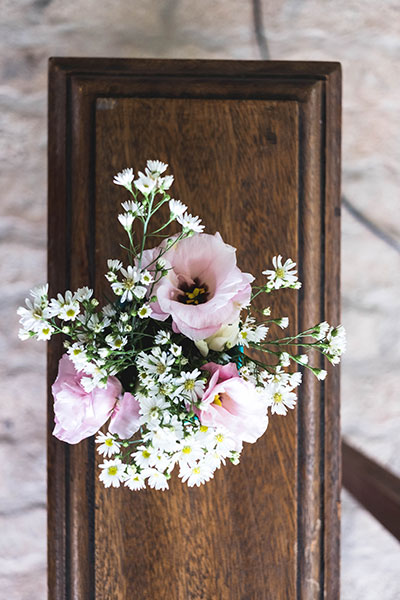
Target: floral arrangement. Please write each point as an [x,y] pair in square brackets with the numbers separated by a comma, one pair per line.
[173,363]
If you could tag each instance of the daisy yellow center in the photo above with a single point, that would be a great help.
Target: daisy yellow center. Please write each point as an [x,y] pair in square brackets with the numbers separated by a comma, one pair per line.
[70,312]
[112,470]
[189,385]
[118,343]
[203,428]
[217,400]
[45,330]
[161,368]
[196,471]
[186,450]
[280,273]
[146,454]
[143,311]
[129,284]
[243,334]
[109,442]
[277,397]
[219,437]
[77,351]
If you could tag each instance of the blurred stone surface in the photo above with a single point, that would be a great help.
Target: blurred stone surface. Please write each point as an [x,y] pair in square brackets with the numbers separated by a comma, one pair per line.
[365,37]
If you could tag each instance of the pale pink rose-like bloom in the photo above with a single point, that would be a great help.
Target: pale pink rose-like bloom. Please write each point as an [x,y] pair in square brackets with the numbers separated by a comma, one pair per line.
[231,402]
[204,289]
[79,414]
[125,419]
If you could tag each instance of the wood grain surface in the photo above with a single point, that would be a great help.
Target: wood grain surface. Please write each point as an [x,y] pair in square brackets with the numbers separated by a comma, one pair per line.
[255,150]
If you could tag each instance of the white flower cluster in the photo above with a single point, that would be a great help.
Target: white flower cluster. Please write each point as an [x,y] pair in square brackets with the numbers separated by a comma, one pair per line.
[331,341]
[178,401]
[171,433]
[251,332]
[150,183]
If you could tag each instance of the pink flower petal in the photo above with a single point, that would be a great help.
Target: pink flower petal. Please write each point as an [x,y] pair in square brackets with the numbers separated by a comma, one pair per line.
[125,419]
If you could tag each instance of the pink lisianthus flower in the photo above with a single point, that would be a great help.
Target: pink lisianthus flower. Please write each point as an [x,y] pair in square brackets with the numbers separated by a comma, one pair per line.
[79,414]
[233,403]
[125,418]
[204,289]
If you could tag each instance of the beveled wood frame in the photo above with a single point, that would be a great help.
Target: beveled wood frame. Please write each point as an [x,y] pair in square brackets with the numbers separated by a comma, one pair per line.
[74,86]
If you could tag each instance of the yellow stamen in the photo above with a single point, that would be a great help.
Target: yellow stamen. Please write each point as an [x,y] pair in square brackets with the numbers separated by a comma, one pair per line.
[217,400]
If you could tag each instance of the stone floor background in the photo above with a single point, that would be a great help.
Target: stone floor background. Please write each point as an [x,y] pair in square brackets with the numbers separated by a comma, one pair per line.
[365,37]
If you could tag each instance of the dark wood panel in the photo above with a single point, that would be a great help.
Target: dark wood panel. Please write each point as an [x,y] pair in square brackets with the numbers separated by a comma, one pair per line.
[268,134]
[234,161]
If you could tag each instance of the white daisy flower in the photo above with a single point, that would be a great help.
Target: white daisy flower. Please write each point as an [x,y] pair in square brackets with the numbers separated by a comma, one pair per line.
[295,379]
[39,293]
[320,374]
[24,335]
[134,480]
[67,309]
[176,350]
[83,293]
[116,342]
[177,208]
[77,353]
[283,275]
[162,337]
[161,461]
[163,438]
[132,207]
[336,337]
[156,479]
[151,409]
[223,443]
[283,322]
[284,359]
[214,459]
[280,398]
[156,167]
[109,446]
[112,473]
[114,264]
[45,331]
[190,223]
[189,385]
[166,182]
[302,359]
[126,287]
[195,474]
[157,362]
[144,311]
[142,456]
[124,178]
[145,184]
[146,278]
[126,220]
[320,331]
[190,450]
[32,316]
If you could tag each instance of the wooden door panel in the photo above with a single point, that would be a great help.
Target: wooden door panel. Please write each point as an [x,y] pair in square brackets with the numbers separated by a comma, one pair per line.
[254,148]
